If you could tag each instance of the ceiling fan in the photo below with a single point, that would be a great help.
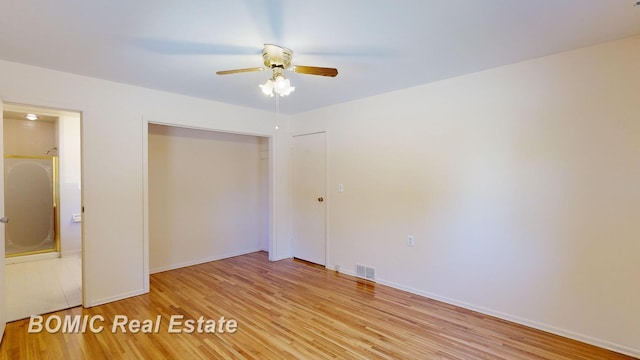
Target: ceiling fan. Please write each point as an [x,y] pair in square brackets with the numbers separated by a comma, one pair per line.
[278,59]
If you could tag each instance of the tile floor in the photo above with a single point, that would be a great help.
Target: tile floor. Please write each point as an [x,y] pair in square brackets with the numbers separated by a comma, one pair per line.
[42,286]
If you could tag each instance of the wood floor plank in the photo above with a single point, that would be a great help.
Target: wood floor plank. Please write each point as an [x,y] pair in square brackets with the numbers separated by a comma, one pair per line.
[292,310]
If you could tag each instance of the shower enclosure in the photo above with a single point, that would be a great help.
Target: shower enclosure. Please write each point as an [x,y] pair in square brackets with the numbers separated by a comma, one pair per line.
[31,204]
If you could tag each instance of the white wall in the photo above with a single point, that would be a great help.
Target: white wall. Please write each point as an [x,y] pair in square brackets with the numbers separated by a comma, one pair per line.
[520,185]
[113,163]
[206,198]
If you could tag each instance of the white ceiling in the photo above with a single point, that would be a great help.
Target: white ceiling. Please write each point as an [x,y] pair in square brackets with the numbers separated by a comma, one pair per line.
[377,45]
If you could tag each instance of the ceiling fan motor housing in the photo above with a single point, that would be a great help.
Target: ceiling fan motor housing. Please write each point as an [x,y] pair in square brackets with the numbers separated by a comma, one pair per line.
[276,56]
[278,59]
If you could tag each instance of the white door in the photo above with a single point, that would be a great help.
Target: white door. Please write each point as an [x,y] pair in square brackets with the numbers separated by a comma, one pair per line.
[3,315]
[309,198]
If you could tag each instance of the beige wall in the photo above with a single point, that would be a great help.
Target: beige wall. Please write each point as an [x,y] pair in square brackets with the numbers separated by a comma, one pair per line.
[206,196]
[29,138]
[520,185]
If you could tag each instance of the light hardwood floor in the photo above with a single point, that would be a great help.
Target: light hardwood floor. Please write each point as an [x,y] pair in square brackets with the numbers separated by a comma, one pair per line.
[292,310]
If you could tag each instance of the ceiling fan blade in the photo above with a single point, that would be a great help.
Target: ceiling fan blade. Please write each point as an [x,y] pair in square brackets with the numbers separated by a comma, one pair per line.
[314,70]
[237,71]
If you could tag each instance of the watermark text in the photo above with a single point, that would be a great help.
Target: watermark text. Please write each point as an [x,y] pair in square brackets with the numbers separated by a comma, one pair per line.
[177,324]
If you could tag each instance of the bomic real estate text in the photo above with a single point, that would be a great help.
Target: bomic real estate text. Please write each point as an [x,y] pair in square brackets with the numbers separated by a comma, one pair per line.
[177,324]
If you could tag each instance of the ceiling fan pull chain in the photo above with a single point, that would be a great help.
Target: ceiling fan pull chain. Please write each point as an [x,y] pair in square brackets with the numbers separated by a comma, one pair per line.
[277,111]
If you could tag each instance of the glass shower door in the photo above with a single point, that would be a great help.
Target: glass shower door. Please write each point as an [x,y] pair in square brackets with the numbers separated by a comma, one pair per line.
[30,204]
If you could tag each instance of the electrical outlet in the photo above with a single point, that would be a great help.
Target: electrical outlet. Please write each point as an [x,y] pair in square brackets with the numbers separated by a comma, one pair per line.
[410,240]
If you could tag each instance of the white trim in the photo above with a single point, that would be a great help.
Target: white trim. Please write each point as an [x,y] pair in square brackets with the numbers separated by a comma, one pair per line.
[309,133]
[202,261]
[511,318]
[273,233]
[68,253]
[280,258]
[83,227]
[328,200]
[3,295]
[115,298]
[518,320]
[145,205]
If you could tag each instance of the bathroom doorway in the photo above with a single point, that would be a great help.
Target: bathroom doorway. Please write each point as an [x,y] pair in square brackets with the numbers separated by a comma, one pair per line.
[42,201]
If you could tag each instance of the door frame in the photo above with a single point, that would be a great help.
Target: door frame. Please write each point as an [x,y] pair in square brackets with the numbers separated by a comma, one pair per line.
[327,196]
[3,301]
[58,110]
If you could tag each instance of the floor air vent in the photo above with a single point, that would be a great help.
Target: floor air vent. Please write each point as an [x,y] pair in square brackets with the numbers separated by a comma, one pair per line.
[366,272]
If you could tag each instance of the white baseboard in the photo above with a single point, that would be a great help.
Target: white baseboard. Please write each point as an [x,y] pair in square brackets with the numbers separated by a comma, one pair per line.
[515,319]
[201,260]
[114,298]
[526,322]
[67,253]
[280,258]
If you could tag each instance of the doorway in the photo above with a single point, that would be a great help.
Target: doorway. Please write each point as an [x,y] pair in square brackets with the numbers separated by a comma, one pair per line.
[42,204]
[208,196]
[309,197]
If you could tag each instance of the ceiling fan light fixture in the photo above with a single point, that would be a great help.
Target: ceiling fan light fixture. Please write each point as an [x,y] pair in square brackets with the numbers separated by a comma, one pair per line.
[283,86]
[267,88]
[287,91]
[281,83]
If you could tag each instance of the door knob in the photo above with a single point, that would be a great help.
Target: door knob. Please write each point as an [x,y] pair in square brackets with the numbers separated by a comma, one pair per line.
[4,219]
[321,199]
